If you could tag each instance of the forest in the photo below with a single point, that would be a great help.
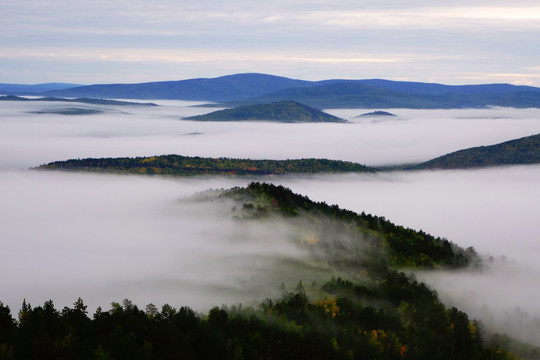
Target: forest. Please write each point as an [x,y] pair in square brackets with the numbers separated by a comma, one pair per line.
[178,165]
[525,150]
[368,307]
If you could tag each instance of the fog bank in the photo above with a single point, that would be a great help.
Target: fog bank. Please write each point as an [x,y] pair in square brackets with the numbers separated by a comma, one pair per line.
[106,238]
[413,136]
[494,210]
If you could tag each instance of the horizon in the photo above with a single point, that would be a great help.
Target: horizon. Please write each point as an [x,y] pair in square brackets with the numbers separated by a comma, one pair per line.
[267,74]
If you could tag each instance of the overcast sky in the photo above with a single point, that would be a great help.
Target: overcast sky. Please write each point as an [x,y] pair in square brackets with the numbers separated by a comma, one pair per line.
[453,42]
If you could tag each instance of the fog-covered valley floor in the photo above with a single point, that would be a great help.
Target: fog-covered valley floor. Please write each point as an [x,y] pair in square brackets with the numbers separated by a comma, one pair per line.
[105,238]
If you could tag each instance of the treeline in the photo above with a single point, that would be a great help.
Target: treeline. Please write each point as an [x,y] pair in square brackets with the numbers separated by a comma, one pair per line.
[178,165]
[396,318]
[405,247]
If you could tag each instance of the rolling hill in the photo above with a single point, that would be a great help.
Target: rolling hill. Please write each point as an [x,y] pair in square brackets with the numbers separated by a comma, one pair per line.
[281,111]
[355,94]
[521,151]
[252,88]
[220,89]
[178,165]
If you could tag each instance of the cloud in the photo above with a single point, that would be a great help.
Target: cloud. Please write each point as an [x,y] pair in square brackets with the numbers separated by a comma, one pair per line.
[107,238]
[181,56]
[298,39]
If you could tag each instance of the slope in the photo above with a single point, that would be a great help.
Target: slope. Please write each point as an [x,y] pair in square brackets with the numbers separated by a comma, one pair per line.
[372,312]
[525,150]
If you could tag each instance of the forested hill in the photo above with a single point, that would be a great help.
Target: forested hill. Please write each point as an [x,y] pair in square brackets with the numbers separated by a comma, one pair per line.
[522,151]
[404,247]
[363,309]
[178,165]
[281,111]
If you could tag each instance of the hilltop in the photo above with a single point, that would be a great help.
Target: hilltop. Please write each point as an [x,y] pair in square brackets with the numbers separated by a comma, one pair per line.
[361,306]
[282,111]
[521,151]
[377,114]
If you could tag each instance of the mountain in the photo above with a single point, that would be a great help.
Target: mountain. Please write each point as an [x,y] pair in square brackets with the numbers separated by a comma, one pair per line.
[282,111]
[355,94]
[252,88]
[525,150]
[342,95]
[225,88]
[410,87]
[178,165]
[22,89]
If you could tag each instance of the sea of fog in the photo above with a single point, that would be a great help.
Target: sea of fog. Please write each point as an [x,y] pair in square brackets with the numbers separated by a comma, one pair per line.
[105,238]
[29,139]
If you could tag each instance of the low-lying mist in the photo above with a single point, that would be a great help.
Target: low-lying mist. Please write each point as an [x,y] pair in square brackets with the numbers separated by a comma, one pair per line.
[493,210]
[413,136]
[106,238]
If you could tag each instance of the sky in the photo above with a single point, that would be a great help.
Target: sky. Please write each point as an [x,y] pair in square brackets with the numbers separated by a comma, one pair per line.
[451,42]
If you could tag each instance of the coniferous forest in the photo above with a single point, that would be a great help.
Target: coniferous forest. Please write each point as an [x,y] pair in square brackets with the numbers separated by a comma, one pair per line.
[363,307]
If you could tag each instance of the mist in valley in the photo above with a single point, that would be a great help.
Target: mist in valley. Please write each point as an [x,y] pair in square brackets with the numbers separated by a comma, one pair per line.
[105,238]
[28,139]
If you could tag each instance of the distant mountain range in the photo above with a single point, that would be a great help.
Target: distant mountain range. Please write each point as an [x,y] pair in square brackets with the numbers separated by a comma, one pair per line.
[281,111]
[249,89]
[77,100]
[21,89]
[221,89]
[521,151]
